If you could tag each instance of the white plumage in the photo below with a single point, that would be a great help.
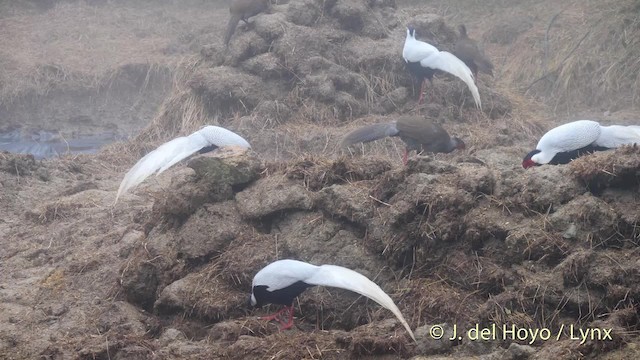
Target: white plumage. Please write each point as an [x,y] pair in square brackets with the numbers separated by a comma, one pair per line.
[567,137]
[285,273]
[576,135]
[178,149]
[430,57]
[614,136]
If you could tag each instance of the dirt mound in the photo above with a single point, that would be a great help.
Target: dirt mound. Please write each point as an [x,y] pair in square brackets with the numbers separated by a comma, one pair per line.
[611,169]
[441,232]
[324,62]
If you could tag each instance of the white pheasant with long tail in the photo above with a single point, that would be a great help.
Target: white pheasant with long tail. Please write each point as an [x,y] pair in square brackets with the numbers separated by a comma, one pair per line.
[166,155]
[423,60]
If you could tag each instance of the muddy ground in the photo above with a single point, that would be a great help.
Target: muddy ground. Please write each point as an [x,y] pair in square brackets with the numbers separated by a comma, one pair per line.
[464,239]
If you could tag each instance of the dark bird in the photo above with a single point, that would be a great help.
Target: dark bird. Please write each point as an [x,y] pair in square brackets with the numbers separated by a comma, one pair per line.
[567,142]
[417,133]
[242,10]
[166,155]
[470,53]
[424,60]
[282,281]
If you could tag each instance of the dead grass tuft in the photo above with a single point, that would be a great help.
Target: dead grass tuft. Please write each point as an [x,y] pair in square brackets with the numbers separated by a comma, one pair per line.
[54,211]
[584,55]
[318,172]
[55,280]
[17,164]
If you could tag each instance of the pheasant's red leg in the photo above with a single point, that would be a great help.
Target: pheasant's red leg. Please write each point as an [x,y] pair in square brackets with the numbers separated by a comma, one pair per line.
[274,316]
[289,323]
[421,91]
[405,157]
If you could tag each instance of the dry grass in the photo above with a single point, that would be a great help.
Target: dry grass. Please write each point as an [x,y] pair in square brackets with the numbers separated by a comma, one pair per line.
[82,46]
[586,55]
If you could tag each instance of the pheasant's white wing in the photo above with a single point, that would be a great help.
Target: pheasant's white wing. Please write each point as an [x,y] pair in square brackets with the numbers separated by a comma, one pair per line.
[449,63]
[617,135]
[208,135]
[184,149]
[156,160]
[570,136]
[415,50]
[567,137]
[282,273]
[340,277]
[219,136]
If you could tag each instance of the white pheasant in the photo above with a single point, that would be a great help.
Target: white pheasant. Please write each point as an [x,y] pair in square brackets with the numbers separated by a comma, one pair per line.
[567,142]
[423,60]
[166,155]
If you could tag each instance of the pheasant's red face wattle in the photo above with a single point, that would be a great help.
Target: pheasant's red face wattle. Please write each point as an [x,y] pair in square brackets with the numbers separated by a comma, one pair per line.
[527,163]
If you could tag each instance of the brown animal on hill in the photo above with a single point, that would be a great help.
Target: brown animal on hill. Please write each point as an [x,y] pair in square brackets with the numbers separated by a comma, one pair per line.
[416,132]
[467,50]
[242,10]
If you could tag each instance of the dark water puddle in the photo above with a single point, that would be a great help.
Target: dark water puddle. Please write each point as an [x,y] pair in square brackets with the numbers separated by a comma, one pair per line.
[46,144]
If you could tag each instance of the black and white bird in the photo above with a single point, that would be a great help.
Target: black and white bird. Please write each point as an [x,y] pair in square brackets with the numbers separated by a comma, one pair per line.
[282,281]
[424,60]
[166,155]
[567,142]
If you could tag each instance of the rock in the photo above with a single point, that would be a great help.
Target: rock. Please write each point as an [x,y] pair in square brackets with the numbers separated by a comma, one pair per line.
[434,339]
[318,240]
[121,316]
[617,168]
[476,179]
[56,309]
[202,295]
[216,175]
[129,241]
[542,189]
[134,352]
[208,231]
[428,165]
[380,337]
[533,243]
[266,66]
[343,201]
[171,335]
[140,281]
[232,330]
[270,26]
[351,14]
[519,351]
[245,256]
[271,195]
[226,170]
[245,45]
[175,296]
[300,43]
[228,90]
[304,13]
